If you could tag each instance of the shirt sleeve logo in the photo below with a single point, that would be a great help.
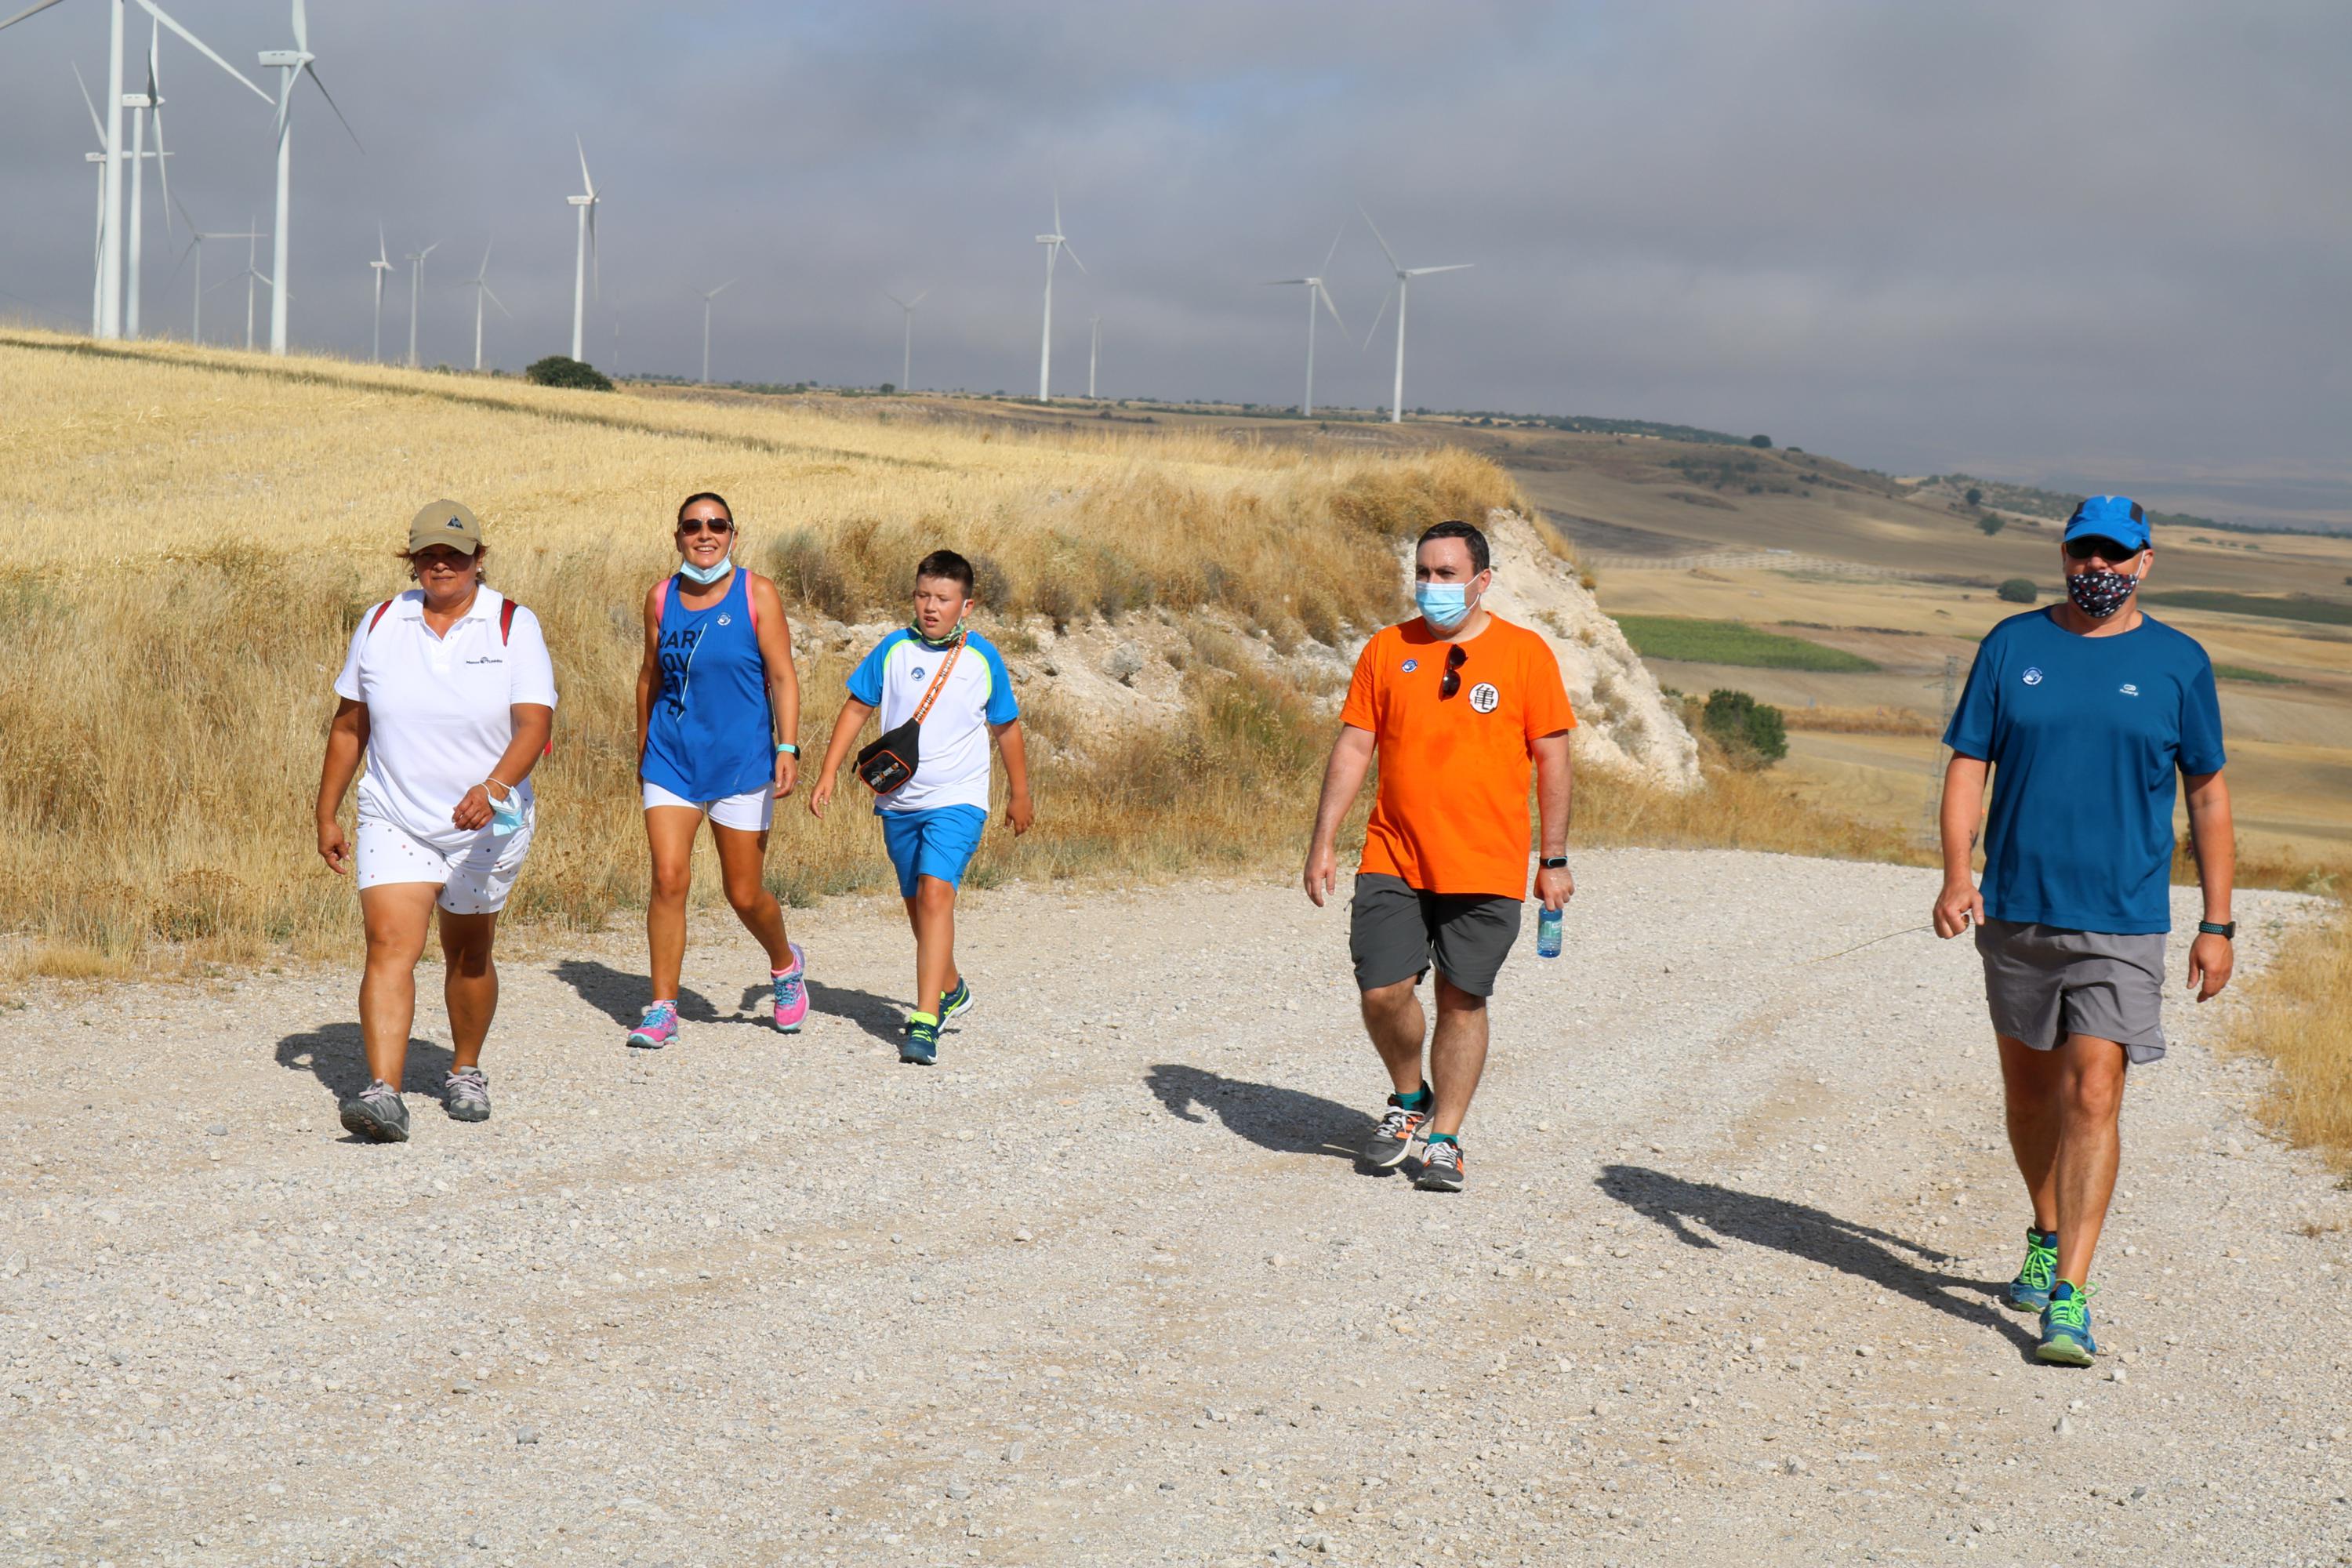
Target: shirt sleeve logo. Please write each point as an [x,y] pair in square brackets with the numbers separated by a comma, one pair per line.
[1485,698]
[2033,675]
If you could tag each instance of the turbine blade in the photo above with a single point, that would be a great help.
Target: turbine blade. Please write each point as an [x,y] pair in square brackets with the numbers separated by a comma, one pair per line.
[380,253]
[1277,282]
[302,28]
[1057,206]
[1325,295]
[163,164]
[494,300]
[199,45]
[154,39]
[724,287]
[1334,250]
[1074,256]
[29,11]
[95,123]
[312,72]
[586,183]
[485,271]
[1424,271]
[1376,234]
[918,299]
[896,301]
[1374,331]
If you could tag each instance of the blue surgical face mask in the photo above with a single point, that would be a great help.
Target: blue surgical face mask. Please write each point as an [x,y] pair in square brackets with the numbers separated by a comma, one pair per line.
[1443,604]
[706,575]
[506,815]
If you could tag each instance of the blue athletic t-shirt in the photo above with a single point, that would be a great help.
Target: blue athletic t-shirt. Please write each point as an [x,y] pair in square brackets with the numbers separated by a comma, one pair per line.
[2084,735]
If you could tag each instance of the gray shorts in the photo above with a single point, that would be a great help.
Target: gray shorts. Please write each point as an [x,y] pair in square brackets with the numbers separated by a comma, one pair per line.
[2044,982]
[1395,931]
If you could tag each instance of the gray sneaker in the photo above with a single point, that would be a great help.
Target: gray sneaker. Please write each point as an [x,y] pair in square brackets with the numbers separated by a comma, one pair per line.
[376,1114]
[467,1094]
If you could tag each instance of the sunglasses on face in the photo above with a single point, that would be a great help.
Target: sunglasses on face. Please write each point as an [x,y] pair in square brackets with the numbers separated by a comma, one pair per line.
[1455,658]
[719,525]
[2106,550]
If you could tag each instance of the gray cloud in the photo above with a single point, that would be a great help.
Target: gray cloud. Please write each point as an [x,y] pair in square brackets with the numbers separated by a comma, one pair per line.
[2095,242]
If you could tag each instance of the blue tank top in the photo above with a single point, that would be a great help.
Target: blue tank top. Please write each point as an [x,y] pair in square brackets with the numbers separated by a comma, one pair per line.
[711,734]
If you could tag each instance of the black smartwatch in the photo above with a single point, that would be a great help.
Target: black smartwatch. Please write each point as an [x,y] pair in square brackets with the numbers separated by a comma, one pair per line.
[1554,862]
[2226,929]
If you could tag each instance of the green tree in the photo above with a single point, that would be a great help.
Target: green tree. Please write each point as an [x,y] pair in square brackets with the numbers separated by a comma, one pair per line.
[1992,522]
[1763,442]
[2017,591]
[1976,496]
[1751,733]
[561,370]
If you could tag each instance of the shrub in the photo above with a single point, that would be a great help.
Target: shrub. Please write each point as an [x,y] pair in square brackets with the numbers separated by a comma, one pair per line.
[1992,522]
[2017,591]
[1751,733]
[561,370]
[1763,442]
[1976,496]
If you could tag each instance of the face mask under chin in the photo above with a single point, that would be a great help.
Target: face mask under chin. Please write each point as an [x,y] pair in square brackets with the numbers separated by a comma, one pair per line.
[2101,592]
[706,575]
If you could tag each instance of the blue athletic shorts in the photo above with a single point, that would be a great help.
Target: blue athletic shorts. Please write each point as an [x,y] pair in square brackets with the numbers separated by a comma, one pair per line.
[937,842]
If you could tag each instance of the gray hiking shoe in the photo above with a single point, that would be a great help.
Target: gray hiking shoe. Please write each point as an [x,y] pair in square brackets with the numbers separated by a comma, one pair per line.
[467,1094]
[376,1114]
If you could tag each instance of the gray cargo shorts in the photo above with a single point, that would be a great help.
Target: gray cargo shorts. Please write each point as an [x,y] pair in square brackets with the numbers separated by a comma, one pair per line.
[1395,931]
[2044,982]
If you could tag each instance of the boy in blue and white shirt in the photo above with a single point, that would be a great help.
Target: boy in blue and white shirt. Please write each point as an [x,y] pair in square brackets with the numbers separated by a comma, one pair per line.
[932,823]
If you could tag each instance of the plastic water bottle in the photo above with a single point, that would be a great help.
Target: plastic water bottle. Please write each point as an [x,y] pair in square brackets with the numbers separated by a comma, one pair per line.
[1547,934]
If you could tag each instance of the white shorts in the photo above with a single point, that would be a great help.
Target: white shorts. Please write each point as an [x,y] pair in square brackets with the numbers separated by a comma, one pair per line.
[753,811]
[474,871]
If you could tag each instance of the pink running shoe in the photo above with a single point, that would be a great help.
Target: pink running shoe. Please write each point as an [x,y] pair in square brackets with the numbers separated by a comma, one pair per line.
[658,1029]
[791,993]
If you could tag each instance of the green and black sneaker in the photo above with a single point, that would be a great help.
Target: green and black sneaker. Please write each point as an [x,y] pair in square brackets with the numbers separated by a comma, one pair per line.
[921,1045]
[2066,1327]
[2030,1291]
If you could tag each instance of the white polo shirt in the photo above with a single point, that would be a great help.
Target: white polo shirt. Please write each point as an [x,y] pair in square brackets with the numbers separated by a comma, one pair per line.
[439,707]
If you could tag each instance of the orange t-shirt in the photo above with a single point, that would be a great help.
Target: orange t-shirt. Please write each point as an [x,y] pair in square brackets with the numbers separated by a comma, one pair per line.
[1451,812]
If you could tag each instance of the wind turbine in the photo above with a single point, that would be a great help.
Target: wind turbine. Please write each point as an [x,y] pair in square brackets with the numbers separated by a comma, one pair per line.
[415,259]
[97,245]
[110,314]
[196,238]
[1404,277]
[380,265]
[291,63]
[708,296]
[1055,245]
[1093,353]
[253,275]
[584,267]
[907,351]
[1316,292]
[144,104]
[480,284]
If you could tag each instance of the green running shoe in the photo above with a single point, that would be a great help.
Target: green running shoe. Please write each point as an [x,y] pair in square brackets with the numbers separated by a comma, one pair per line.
[921,1045]
[2066,1327]
[2030,1291]
[956,1001]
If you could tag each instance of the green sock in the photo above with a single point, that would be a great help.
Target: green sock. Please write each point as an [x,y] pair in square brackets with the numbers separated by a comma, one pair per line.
[932,1019]
[1452,1138]
[1421,1099]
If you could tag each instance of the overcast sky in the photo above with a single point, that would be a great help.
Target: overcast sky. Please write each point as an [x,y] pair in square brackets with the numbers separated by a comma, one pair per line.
[2088,244]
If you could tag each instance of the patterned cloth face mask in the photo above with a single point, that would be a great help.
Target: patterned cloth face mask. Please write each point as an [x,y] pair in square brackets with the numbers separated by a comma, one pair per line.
[2100,592]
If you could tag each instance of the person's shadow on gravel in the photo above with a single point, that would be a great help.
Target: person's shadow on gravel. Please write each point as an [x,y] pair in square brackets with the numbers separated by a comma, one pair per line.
[621,996]
[1282,1120]
[1805,1232]
[879,1016]
[333,1055]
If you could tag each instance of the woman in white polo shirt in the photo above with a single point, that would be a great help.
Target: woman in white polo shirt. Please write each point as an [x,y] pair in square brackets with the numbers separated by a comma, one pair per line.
[449,693]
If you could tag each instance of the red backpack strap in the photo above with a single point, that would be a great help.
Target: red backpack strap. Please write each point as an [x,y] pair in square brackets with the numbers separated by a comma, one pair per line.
[506,621]
[379,614]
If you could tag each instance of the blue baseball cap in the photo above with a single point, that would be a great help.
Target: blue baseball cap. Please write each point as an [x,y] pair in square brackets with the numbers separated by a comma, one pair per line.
[2118,518]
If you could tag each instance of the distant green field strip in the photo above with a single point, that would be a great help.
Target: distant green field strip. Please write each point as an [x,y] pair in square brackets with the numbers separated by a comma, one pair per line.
[2258,677]
[1731,642]
[2322,612]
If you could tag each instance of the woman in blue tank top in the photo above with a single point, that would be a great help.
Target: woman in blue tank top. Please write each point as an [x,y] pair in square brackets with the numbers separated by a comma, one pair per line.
[718,714]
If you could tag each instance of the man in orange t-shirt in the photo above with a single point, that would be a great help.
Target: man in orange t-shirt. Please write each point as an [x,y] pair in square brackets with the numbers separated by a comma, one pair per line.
[1457,704]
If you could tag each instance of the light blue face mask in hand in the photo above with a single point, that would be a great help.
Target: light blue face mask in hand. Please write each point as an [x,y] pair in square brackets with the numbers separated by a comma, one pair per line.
[506,815]
[706,575]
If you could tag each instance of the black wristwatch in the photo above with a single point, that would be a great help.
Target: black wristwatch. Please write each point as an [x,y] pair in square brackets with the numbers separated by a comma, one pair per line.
[1554,862]
[2226,929]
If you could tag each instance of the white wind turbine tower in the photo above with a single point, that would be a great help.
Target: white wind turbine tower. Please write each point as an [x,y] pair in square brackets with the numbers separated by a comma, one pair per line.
[110,289]
[380,267]
[415,259]
[906,349]
[708,296]
[98,247]
[1404,277]
[291,64]
[253,275]
[480,284]
[584,269]
[1093,353]
[1315,294]
[144,104]
[1054,244]
[196,238]
[97,282]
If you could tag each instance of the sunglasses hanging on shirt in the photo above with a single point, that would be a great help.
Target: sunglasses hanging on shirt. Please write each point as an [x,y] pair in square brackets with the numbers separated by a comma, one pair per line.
[1455,658]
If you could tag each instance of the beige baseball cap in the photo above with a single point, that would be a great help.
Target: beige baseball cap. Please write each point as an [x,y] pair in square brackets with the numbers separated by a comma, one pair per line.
[446,522]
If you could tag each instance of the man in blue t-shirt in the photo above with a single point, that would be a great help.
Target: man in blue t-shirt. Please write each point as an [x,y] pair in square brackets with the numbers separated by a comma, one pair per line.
[2082,713]
[952,684]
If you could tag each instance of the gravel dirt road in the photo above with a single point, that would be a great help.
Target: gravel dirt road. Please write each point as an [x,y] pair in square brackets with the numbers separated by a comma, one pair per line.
[1106,1287]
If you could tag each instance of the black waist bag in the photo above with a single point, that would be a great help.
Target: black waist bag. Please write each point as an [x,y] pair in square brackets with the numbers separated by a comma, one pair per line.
[891,760]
